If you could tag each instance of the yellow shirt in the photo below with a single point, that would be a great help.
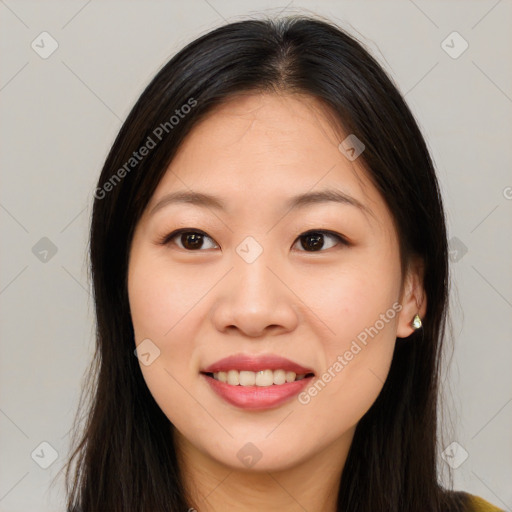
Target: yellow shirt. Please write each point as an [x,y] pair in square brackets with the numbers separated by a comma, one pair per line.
[480,505]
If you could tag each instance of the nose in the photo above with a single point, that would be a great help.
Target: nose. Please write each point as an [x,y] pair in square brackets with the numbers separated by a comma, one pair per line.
[255,300]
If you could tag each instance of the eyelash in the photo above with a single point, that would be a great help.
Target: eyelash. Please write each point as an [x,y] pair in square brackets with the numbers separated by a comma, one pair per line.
[166,239]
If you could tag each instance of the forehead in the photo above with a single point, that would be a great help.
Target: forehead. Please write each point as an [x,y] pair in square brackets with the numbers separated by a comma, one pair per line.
[261,148]
[263,122]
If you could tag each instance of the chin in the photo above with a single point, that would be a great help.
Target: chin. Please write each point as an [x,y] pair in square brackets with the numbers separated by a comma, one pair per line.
[259,455]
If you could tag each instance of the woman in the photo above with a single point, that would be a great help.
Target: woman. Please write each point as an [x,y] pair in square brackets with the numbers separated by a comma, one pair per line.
[269,260]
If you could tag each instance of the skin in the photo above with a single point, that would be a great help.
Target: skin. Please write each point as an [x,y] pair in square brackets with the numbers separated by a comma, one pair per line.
[200,305]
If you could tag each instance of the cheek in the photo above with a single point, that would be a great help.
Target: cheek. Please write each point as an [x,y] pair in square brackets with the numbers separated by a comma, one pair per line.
[353,297]
[359,305]
[161,304]
[161,297]
[357,362]
[160,301]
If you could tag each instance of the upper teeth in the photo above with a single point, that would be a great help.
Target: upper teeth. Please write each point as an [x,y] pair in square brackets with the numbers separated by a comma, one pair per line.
[262,378]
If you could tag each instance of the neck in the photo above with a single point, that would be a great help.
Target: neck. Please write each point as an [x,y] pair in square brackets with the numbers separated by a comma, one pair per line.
[311,484]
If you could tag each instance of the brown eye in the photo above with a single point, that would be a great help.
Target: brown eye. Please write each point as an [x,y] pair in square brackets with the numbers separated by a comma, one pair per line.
[189,240]
[314,241]
[194,240]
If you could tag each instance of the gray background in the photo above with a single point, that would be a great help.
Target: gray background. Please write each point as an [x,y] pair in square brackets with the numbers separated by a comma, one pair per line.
[59,116]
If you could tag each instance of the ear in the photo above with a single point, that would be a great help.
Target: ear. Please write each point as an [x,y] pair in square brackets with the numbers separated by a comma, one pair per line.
[413,298]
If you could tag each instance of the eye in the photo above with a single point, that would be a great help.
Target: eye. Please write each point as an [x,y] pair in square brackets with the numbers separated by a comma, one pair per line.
[190,239]
[193,240]
[313,241]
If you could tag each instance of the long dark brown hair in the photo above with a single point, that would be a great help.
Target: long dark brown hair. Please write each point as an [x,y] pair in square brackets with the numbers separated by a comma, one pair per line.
[123,458]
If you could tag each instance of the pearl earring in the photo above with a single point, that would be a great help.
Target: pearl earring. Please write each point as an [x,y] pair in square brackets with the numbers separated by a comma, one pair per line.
[416,322]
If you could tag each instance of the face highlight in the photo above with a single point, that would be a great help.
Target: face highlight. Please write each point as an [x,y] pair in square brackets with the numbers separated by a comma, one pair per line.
[262,238]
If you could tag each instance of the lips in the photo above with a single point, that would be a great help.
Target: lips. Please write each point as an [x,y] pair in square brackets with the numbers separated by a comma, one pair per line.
[256,364]
[262,395]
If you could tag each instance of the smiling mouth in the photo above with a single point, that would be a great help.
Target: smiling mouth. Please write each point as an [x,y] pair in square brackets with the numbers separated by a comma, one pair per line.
[262,378]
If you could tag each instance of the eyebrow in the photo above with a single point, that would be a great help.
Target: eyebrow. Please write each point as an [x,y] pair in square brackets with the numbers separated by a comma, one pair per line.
[299,201]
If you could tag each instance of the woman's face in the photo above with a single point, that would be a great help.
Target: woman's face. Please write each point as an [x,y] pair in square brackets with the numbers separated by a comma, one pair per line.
[255,276]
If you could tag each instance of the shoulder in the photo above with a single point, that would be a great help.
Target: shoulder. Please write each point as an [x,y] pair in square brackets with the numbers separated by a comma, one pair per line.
[477,504]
